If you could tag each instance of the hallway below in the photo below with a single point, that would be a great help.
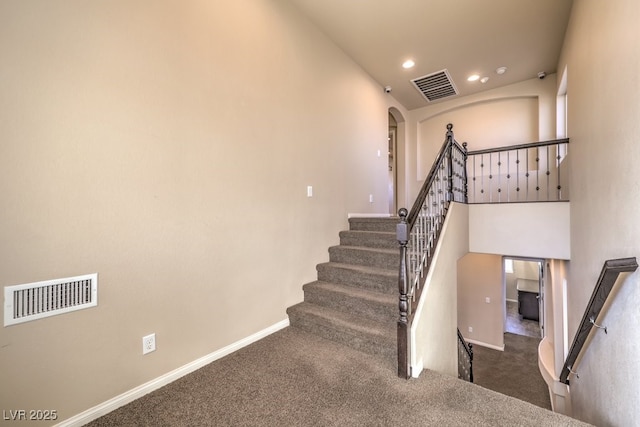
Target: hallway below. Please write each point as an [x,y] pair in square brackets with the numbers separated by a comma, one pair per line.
[514,371]
[519,326]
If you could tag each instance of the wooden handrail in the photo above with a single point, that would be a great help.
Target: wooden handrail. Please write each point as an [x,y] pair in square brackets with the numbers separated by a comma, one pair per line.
[520,146]
[608,276]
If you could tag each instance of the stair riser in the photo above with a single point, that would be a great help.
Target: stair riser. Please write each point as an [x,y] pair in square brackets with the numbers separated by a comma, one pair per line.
[371,281]
[333,308]
[371,344]
[373,224]
[369,240]
[373,310]
[349,255]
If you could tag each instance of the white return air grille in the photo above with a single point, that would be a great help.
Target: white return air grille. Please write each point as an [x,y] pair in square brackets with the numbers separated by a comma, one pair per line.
[32,301]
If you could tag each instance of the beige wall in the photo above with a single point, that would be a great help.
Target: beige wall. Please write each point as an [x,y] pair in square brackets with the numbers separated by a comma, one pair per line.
[433,331]
[532,117]
[492,123]
[480,277]
[535,230]
[167,147]
[602,56]
[555,285]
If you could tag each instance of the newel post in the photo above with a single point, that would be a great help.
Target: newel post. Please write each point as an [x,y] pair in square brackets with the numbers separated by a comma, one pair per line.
[449,155]
[465,188]
[402,233]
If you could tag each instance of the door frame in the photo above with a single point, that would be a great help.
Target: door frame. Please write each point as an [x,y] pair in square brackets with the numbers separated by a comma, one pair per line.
[541,299]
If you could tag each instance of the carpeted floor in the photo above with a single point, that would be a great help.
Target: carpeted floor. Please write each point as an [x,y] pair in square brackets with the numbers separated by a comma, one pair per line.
[514,371]
[296,379]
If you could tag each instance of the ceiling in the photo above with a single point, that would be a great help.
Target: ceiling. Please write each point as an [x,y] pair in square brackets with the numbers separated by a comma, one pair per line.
[462,36]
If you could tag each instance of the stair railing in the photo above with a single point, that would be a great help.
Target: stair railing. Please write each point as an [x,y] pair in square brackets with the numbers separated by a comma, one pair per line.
[608,276]
[519,173]
[419,230]
[465,359]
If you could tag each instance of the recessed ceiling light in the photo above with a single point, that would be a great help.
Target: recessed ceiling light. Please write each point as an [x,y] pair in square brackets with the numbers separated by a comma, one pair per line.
[501,70]
[408,63]
[473,78]
[484,79]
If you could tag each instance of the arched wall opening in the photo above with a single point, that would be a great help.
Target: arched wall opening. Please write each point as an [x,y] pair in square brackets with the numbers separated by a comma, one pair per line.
[397,192]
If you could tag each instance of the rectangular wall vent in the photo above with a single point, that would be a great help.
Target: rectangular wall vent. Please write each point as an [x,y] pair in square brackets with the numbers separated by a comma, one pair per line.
[32,301]
[435,86]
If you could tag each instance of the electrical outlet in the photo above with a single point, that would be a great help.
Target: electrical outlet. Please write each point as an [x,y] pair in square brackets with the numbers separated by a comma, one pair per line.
[148,343]
[470,328]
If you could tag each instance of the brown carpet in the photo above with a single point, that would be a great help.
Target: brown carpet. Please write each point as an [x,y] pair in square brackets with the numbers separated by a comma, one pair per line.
[514,371]
[296,379]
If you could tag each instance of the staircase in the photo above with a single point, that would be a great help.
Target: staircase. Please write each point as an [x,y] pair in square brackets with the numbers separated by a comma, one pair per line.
[355,299]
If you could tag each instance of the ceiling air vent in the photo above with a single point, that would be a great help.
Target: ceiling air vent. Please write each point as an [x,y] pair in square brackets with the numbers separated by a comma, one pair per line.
[435,86]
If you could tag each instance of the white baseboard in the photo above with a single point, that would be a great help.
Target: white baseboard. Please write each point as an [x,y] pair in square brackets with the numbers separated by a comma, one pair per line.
[484,344]
[417,369]
[368,215]
[133,394]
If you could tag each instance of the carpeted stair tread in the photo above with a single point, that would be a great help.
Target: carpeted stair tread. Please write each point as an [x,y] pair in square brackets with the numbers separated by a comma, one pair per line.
[371,239]
[367,277]
[361,255]
[347,320]
[371,304]
[372,337]
[374,224]
[354,300]
[365,269]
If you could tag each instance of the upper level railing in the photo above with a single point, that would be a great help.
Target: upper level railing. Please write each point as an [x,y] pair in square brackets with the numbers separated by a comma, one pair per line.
[535,172]
[608,276]
[419,230]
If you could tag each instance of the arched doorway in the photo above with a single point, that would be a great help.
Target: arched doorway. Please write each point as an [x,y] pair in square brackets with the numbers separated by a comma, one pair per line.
[396,138]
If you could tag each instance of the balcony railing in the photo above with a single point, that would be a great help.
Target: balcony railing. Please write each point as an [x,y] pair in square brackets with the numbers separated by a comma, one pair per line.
[535,172]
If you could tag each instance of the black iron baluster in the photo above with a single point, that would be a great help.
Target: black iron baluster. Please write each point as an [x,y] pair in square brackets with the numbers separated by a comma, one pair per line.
[449,172]
[548,172]
[537,174]
[490,179]
[475,194]
[517,175]
[558,157]
[508,177]
[527,174]
[499,177]
[482,176]
[465,175]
